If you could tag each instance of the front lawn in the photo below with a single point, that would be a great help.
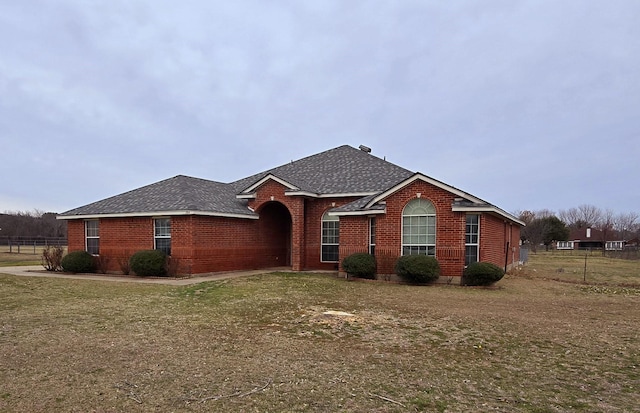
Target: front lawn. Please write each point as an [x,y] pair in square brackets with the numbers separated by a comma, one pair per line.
[300,342]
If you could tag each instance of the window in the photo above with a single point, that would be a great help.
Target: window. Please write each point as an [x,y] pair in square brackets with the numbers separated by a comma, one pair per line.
[471,239]
[564,245]
[92,236]
[162,234]
[419,228]
[614,245]
[372,236]
[330,238]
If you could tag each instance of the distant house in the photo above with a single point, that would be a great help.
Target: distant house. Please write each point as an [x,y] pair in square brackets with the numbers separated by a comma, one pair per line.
[307,214]
[589,238]
[633,243]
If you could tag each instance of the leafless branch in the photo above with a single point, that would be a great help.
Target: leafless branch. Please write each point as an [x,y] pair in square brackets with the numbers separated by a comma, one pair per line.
[126,386]
[387,399]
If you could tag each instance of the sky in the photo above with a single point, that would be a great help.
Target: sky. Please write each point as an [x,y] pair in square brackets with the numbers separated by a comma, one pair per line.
[526,104]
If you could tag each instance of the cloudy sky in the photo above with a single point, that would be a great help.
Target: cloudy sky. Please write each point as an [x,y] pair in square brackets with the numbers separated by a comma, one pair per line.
[527,104]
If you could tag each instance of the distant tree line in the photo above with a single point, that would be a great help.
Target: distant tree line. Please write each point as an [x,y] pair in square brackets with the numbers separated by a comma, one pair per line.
[36,224]
[544,227]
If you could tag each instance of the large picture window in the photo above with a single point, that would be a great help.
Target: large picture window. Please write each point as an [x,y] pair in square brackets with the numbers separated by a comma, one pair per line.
[419,228]
[471,239]
[92,236]
[330,238]
[162,234]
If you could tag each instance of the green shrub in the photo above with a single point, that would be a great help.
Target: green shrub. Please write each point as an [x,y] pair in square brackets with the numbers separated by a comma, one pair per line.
[78,261]
[481,273]
[418,269]
[361,265]
[148,263]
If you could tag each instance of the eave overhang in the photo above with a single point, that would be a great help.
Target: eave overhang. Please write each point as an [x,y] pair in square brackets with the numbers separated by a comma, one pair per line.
[418,176]
[269,177]
[338,195]
[358,213]
[158,214]
[486,209]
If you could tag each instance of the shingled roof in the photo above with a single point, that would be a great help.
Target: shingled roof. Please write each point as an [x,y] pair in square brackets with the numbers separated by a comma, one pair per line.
[342,171]
[337,171]
[180,194]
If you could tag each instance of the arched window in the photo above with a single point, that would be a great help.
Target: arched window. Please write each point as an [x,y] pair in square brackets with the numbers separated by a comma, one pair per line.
[330,238]
[419,228]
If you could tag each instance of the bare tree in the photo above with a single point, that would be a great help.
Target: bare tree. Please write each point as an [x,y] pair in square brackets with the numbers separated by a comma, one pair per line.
[571,217]
[590,215]
[606,224]
[525,216]
[544,213]
[626,221]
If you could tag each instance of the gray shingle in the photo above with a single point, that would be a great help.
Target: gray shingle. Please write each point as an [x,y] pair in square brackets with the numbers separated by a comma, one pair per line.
[180,193]
[342,170]
[337,171]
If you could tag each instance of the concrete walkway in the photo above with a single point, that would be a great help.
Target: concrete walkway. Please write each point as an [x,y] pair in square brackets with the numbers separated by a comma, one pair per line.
[38,271]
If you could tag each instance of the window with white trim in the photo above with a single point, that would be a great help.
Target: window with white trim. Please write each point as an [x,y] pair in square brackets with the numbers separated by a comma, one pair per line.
[614,245]
[564,245]
[92,236]
[419,228]
[472,239]
[372,236]
[330,238]
[162,235]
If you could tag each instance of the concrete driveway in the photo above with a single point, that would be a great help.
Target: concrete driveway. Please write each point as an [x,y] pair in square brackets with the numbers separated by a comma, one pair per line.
[38,271]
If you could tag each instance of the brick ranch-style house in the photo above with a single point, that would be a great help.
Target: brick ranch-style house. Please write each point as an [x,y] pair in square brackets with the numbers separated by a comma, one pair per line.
[305,215]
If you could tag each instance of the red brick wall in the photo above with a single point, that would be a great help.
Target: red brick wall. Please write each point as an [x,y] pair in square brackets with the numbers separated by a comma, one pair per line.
[272,191]
[494,235]
[315,209]
[118,236]
[75,235]
[225,244]
[354,235]
[450,232]
[306,227]
[288,233]
[450,228]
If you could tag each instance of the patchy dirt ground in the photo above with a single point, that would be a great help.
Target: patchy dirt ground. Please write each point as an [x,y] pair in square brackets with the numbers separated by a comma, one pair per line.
[290,342]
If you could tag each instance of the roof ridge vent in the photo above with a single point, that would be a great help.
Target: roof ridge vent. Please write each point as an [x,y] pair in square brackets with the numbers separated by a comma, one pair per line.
[365,148]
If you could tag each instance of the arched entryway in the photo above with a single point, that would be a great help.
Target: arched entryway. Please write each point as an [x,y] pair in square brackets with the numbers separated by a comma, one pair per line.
[275,234]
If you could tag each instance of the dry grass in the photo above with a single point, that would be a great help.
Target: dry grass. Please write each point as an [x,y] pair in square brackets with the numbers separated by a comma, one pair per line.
[570,267]
[26,256]
[264,343]
[8,259]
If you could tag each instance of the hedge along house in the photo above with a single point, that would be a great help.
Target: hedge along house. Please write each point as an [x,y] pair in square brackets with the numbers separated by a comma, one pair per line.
[304,215]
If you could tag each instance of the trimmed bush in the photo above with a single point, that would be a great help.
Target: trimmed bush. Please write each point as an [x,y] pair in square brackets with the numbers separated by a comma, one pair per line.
[78,261]
[361,265]
[418,269]
[482,273]
[149,263]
